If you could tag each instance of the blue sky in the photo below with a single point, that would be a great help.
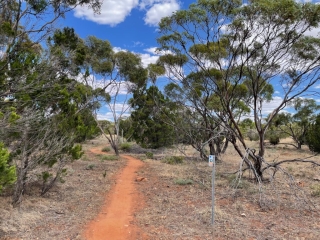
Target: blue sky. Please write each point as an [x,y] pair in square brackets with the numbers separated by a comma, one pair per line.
[132,25]
[127,25]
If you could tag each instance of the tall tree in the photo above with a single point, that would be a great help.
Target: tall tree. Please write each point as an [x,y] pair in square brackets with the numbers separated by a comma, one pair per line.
[248,46]
[150,111]
[116,74]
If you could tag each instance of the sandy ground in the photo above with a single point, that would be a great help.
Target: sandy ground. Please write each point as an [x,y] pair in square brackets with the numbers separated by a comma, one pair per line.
[116,219]
[139,198]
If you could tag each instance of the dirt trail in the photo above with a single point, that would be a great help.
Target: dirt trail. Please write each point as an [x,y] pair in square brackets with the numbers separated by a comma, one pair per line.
[115,221]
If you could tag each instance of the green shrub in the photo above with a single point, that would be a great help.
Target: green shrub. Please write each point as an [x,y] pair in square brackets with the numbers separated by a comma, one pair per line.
[274,139]
[180,181]
[149,155]
[90,167]
[109,158]
[106,149]
[173,160]
[126,147]
[7,172]
[315,190]
[252,135]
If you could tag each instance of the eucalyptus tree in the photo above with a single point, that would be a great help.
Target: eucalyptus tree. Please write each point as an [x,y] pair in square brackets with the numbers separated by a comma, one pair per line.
[239,52]
[115,75]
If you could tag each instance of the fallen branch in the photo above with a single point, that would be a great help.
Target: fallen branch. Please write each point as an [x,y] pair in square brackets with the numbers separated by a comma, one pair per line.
[290,161]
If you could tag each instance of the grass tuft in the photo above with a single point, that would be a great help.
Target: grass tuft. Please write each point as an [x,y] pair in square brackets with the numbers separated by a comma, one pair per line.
[173,160]
[109,158]
[180,181]
[106,149]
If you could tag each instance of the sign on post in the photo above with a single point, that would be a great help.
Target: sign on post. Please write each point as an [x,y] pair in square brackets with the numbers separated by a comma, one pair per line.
[211,160]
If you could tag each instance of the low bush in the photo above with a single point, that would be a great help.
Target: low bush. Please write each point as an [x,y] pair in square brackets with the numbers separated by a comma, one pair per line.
[315,190]
[106,149]
[173,160]
[90,167]
[183,181]
[109,158]
[149,155]
[274,139]
[126,147]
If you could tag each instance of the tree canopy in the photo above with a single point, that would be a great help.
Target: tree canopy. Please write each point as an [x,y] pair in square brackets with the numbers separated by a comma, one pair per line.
[234,53]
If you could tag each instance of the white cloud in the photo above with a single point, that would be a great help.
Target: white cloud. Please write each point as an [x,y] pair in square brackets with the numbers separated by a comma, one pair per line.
[118,49]
[146,59]
[268,107]
[152,50]
[159,10]
[119,110]
[109,116]
[119,107]
[317,86]
[114,88]
[112,12]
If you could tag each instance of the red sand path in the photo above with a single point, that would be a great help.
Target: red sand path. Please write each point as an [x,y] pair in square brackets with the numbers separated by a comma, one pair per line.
[115,220]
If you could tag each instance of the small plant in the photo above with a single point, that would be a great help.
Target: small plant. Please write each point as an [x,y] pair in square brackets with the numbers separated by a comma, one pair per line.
[274,139]
[252,135]
[126,147]
[180,181]
[106,149]
[315,190]
[109,158]
[149,155]
[90,167]
[173,160]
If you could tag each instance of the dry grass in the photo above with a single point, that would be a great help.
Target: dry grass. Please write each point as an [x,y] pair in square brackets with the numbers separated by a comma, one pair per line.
[287,208]
[65,209]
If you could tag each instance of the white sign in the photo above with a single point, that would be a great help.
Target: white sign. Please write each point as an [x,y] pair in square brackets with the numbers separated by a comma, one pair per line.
[211,160]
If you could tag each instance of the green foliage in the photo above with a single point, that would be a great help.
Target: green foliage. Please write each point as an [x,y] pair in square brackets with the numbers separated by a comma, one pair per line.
[181,181]
[126,147]
[106,149]
[150,110]
[274,139]
[7,172]
[109,158]
[126,127]
[313,136]
[45,176]
[76,152]
[149,155]
[315,190]
[173,160]
[231,74]
[252,135]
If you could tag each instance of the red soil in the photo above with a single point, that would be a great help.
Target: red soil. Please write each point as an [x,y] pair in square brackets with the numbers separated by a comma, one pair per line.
[116,218]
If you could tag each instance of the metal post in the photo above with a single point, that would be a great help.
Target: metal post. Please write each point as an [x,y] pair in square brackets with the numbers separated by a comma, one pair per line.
[212,163]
